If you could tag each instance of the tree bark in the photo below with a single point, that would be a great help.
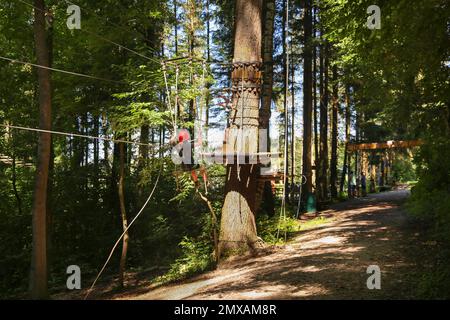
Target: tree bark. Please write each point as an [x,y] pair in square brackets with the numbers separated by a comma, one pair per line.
[38,272]
[323,174]
[307,99]
[293,158]
[265,188]
[238,226]
[334,134]
[346,166]
[285,97]
[316,119]
[14,185]
[96,175]
[123,213]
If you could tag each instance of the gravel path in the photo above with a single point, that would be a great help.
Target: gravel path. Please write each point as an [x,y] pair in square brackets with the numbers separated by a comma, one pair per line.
[327,262]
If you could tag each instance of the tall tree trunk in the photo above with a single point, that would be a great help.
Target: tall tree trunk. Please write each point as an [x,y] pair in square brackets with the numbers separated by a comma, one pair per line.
[357,116]
[51,166]
[38,274]
[144,148]
[96,175]
[316,116]
[106,145]
[175,11]
[238,226]
[293,159]
[307,98]
[345,166]
[14,185]
[208,58]
[114,202]
[123,213]
[265,187]
[323,190]
[143,157]
[334,134]
[286,94]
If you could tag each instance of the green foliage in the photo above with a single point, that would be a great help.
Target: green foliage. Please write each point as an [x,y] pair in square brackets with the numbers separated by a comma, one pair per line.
[277,231]
[197,257]
[403,169]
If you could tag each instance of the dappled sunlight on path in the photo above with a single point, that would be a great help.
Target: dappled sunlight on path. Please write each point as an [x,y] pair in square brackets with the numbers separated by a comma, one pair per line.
[329,261]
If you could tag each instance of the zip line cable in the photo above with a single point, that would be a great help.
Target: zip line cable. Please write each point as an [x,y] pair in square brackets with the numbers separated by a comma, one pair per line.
[122,27]
[101,37]
[77,135]
[61,70]
[123,233]
[130,31]
[121,46]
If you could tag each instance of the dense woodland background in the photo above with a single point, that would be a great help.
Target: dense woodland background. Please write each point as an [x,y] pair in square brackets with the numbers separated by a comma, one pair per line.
[367,85]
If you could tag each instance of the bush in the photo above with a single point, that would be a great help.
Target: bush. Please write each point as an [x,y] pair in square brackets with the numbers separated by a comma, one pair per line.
[430,203]
[197,257]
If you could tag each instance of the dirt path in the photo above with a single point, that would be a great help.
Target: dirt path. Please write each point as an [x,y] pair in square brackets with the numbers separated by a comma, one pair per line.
[328,262]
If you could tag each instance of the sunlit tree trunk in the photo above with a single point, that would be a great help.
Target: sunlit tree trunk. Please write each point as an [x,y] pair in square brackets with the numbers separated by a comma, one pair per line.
[334,134]
[314,79]
[208,58]
[307,98]
[238,227]
[345,166]
[293,158]
[323,174]
[264,187]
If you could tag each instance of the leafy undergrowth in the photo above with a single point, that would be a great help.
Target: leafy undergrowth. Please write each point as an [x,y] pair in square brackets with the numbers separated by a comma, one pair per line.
[197,257]
[277,231]
[198,254]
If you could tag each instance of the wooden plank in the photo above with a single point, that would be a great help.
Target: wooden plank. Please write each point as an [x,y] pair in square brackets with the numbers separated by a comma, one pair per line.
[384,145]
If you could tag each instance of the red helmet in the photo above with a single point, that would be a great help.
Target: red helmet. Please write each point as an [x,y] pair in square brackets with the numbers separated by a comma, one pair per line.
[183,135]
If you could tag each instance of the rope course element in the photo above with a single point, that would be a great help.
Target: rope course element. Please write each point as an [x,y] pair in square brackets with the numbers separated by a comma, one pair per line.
[61,70]
[122,27]
[123,233]
[78,135]
[173,112]
[99,36]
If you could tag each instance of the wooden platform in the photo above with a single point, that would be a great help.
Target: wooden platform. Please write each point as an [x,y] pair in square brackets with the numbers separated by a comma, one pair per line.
[384,145]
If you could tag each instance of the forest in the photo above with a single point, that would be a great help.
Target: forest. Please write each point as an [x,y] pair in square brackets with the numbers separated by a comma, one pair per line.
[146,143]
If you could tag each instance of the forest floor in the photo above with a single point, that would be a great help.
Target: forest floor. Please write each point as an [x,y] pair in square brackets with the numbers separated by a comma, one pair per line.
[327,262]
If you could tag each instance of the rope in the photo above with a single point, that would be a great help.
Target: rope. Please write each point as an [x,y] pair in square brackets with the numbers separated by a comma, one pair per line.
[98,36]
[121,46]
[60,70]
[123,233]
[168,97]
[214,223]
[76,135]
[177,74]
[126,29]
